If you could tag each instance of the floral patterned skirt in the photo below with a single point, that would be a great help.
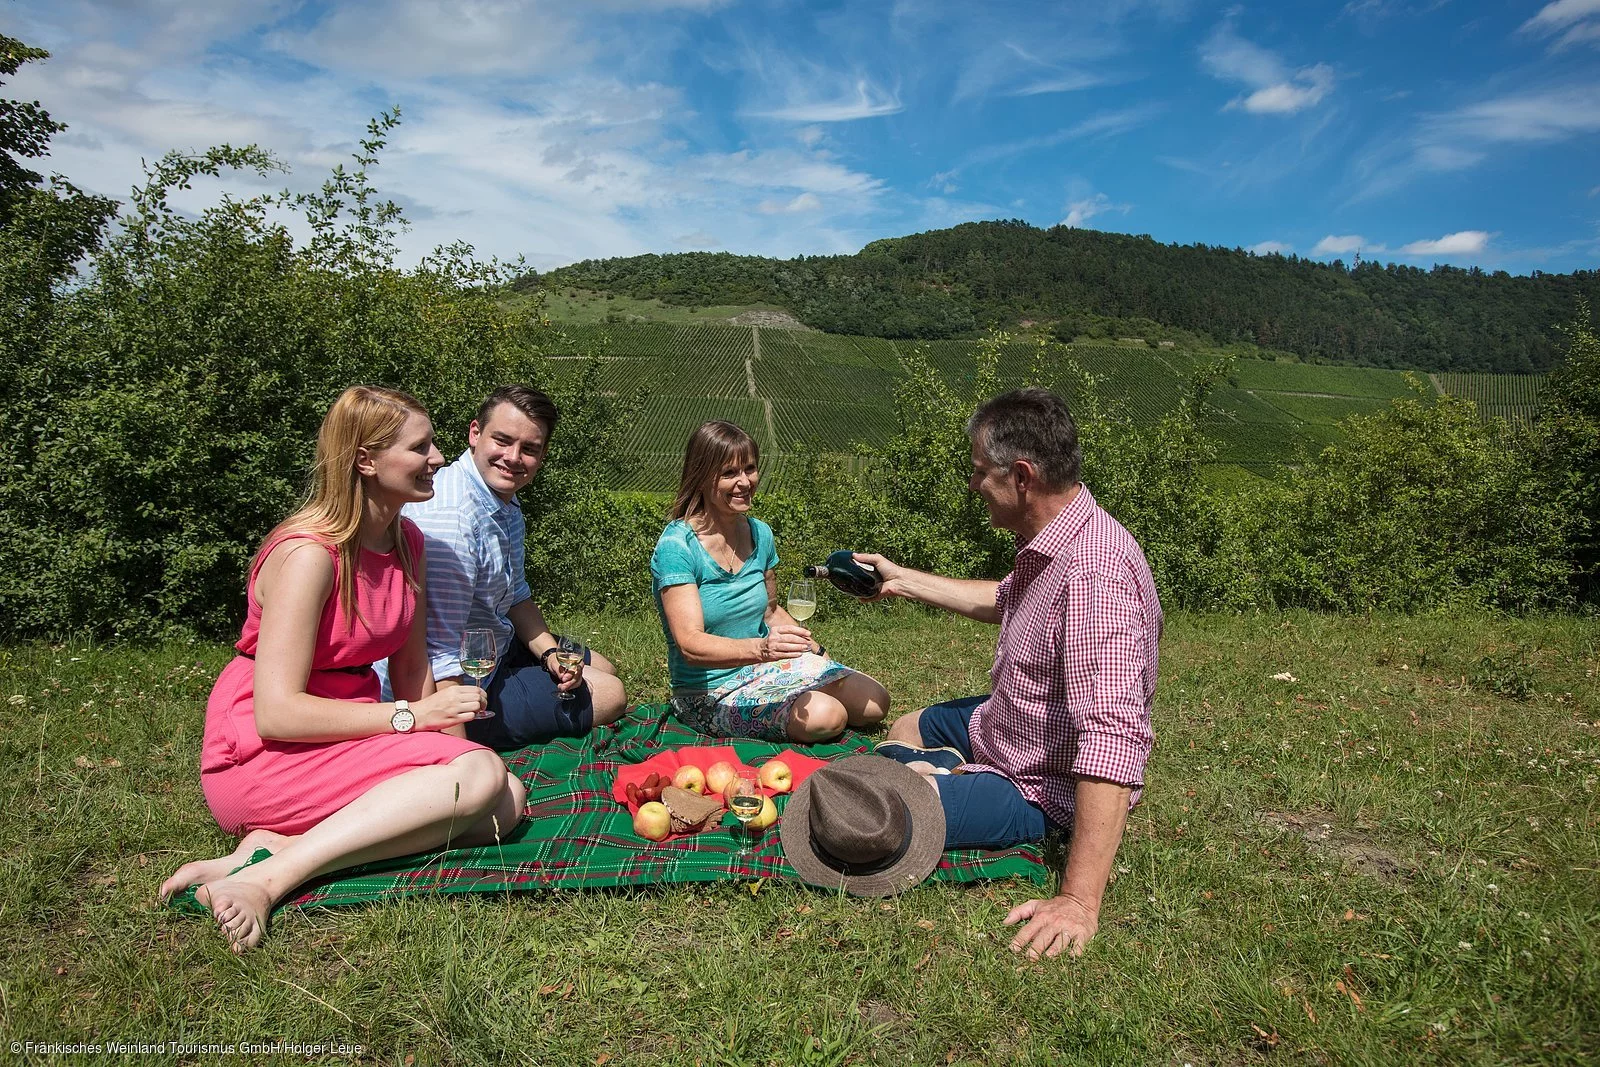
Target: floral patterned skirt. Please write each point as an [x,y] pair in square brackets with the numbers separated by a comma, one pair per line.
[755,701]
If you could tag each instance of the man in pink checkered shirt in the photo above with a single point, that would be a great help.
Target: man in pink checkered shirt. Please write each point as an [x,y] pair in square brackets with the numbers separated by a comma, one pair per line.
[1062,739]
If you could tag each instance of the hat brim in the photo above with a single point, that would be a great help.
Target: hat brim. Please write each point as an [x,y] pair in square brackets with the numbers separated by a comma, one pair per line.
[915,864]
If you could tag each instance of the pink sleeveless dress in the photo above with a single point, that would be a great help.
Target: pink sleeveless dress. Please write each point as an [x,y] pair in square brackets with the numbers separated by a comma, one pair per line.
[290,786]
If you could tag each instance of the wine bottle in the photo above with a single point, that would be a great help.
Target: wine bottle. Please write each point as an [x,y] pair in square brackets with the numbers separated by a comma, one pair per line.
[851,578]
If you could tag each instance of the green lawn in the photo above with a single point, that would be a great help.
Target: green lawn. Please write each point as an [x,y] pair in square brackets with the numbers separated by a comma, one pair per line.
[1383,856]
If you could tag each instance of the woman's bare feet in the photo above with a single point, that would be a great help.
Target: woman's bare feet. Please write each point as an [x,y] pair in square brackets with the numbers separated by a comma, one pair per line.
[199,872]
[241,909]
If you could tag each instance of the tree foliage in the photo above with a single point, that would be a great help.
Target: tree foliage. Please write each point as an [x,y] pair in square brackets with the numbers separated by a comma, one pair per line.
[957,282]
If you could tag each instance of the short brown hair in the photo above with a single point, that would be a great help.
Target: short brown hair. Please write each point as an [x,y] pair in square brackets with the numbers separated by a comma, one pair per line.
[1032,424]
[526,399]
[710,448]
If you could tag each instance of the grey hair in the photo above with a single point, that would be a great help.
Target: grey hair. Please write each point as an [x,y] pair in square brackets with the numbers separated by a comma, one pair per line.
[1032,424]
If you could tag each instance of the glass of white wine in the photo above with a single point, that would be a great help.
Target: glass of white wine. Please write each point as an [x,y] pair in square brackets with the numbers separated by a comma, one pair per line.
[744,800]
[802,599]
[569,657]
[478,654]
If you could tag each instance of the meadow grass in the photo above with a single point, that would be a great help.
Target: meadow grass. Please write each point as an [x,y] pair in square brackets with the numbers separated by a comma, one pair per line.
[1387,854]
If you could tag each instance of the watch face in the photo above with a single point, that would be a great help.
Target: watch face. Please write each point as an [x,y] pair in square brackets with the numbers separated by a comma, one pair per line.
[403,721]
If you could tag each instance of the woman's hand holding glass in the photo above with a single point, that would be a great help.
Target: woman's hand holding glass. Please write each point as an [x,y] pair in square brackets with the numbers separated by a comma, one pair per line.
[784,642]
[454,705]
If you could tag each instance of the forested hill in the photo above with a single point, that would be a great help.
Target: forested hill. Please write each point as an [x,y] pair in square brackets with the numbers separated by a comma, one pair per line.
[957,282]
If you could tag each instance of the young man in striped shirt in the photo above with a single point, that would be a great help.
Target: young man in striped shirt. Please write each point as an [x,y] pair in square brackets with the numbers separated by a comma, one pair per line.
[1062,739]
[473,533]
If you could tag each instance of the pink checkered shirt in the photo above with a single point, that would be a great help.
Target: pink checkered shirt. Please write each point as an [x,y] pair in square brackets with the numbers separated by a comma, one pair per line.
[1075,667]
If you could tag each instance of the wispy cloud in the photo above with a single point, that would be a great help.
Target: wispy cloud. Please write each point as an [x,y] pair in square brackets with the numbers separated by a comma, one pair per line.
[1462,243]
[1267,248]
[802,202]
[863,100]
[1577,21]
[1332,245]
[1102,124]
[1276,89]
[1549,115]
[1081,211]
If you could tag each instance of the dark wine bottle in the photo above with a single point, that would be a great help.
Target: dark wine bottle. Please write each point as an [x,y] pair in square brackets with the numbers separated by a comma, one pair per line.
[851,578]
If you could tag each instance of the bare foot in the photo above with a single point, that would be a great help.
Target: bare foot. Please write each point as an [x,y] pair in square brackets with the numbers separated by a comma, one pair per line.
[241,909]
[199,872]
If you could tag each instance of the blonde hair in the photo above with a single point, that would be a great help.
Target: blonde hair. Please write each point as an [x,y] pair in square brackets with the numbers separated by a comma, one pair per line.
[364,416]
[710,448]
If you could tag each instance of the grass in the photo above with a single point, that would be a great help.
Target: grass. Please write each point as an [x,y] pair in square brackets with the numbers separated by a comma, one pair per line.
[1382,856]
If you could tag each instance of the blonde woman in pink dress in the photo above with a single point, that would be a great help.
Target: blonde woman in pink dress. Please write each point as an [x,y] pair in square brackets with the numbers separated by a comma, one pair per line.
[300,756]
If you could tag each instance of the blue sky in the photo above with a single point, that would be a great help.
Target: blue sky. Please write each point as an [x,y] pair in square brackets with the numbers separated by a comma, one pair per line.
[1423,131]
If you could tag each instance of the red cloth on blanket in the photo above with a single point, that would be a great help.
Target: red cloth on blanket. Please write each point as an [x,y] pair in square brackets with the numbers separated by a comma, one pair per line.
[704,756]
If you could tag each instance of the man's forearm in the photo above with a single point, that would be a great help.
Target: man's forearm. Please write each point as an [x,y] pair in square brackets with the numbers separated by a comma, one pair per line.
[1099,819]
[974,599]
[527,622]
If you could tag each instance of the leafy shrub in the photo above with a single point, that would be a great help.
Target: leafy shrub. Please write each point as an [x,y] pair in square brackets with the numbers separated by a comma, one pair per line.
[172,403]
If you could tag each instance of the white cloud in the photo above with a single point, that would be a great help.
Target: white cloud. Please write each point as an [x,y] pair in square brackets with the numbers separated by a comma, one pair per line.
[802,202]
[1462,243]
[1285,98]
[1276,89]
[862,101]
[1550,115]
[1338,246]
[1267,248]
[1081,211]
[1562,13]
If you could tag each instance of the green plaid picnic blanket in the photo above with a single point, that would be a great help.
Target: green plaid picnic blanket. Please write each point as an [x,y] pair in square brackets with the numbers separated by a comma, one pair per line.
[575,835]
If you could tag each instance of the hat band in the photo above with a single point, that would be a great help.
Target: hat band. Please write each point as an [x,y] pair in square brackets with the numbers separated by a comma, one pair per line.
[856,870]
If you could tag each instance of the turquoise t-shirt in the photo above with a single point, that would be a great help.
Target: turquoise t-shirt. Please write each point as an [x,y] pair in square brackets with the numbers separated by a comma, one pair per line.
[734,605]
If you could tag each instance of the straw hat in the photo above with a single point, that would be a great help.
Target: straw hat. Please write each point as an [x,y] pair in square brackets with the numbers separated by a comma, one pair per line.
[864,824]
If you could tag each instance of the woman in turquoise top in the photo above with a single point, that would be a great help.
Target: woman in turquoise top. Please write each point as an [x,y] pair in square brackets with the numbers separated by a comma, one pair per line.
[741,666]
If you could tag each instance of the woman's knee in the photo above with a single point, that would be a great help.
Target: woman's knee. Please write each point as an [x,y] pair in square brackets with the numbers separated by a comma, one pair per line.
[817,717]
[870,703]
[481,781]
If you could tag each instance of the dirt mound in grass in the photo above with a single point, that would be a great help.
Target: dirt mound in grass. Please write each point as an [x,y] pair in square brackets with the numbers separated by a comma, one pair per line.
[769,320]
[1353,847]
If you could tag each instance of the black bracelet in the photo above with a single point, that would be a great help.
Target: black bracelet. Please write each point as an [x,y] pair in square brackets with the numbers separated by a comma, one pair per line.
[544,657]
[821,650]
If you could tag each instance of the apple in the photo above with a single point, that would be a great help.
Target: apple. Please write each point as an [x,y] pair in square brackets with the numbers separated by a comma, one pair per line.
[691,778]
[767,816]
[776,776]
[653,822]
[720,776]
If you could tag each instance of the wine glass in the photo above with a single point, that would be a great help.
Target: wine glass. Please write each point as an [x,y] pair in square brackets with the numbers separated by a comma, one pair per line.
[479,651]
[569,657]
[744,800]
[802,599]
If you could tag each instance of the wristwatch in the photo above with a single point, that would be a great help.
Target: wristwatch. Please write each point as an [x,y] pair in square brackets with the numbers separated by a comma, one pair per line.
[402,720]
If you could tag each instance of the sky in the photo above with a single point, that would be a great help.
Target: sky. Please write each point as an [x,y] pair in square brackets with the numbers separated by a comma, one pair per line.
[1416,131]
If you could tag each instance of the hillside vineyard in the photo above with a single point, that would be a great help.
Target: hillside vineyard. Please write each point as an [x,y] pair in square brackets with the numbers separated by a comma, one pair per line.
[795,390]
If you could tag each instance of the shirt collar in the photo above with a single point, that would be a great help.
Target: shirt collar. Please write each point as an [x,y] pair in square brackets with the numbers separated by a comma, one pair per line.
[1060,531]
[480,489]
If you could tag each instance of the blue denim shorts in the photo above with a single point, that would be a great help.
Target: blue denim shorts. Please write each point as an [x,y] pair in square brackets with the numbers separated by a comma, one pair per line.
[980,810]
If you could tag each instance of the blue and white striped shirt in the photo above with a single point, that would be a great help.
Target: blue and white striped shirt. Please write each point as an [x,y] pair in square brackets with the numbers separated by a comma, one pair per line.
[475,547]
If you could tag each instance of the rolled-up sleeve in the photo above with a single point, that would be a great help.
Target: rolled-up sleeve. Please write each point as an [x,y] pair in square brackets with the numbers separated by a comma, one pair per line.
[1112,719]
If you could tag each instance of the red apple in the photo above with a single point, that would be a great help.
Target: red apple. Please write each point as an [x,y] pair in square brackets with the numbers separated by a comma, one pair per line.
[719,776]
[691,778]
[653,822]
[776,776]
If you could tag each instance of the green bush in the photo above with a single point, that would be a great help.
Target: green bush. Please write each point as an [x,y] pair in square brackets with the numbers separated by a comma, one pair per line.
[172,403]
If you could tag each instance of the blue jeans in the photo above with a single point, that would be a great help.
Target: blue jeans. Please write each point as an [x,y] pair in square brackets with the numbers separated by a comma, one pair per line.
[527,708]
[980,810]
